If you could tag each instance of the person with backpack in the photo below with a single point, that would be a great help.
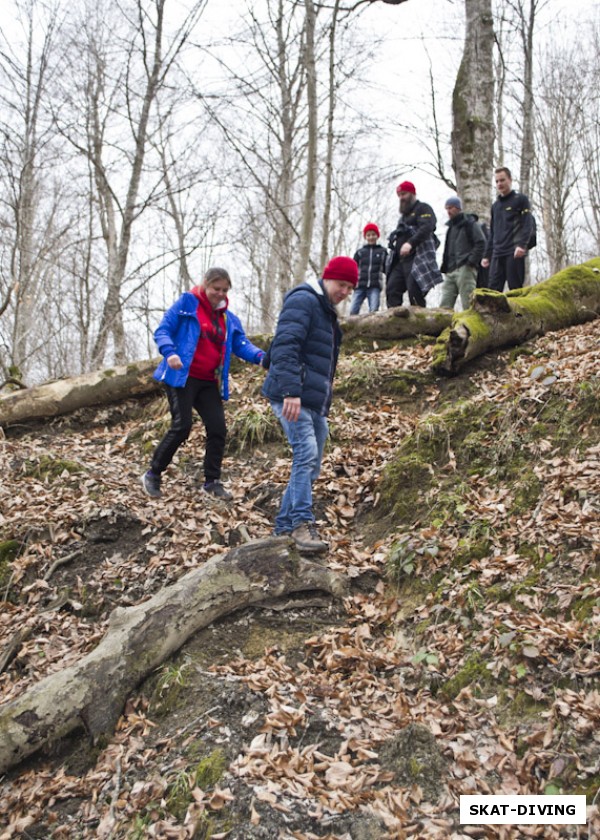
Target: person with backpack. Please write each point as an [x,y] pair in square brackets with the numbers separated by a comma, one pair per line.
[463,250]
[512,231]
[412,266]
[196,338]
[370,259]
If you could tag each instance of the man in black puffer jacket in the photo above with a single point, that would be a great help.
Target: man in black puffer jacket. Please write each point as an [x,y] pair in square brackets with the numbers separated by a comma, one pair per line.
[302,362]
[463,251]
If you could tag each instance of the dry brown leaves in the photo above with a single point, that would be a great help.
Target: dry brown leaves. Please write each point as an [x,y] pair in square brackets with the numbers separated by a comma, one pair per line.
[367,680]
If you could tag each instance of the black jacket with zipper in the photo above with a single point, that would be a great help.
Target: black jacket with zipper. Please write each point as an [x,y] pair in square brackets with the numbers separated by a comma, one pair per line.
[370,260]
[465,243]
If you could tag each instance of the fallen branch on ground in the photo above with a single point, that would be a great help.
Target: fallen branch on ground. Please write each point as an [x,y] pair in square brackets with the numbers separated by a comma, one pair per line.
[91,693]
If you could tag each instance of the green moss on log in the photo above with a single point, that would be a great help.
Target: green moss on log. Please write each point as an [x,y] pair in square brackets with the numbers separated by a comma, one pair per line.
[570,297]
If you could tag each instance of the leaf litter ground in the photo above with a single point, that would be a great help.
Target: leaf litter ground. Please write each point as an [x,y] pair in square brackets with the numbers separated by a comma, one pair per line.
[465,660]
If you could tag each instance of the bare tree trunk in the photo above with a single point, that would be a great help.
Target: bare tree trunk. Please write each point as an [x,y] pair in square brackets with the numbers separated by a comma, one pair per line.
[91,694]
[308,205]
[282,210]
[560,128]
[527,141]
[118,248]
[24,134]
[330,138]
[473,110]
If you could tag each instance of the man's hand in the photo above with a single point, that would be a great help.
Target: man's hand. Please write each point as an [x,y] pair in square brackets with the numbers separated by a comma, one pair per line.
[291,408]
[174,362]
[520,252]
[405,249]
[485,263]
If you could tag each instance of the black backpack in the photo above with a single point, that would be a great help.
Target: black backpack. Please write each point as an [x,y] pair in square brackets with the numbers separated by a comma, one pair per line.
[533,236]
[473,219]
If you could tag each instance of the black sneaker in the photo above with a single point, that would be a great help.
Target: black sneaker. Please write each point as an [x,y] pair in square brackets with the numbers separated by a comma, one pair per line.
[307,539]
[216,489]
[151,484]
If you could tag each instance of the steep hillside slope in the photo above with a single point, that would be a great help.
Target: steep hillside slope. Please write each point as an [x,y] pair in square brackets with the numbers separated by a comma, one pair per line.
[465,513]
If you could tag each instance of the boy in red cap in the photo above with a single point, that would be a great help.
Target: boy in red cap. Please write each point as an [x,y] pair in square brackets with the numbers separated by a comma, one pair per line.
[370,260]
[412,266]
[303,358]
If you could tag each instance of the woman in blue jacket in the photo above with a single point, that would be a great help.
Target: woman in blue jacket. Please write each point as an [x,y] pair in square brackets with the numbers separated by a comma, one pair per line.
[196,338]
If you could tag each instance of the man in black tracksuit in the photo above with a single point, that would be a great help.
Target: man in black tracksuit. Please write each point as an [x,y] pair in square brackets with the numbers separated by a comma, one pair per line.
[511,227]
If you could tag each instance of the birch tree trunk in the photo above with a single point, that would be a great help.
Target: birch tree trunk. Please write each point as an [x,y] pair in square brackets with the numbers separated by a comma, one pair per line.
[308,204]
[330,138]
[473,110]
[118,244]
[527,27]
[31,230]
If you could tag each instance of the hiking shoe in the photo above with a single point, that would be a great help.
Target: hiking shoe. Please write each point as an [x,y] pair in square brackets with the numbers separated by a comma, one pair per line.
[216,489]
[151,484]
[307,539]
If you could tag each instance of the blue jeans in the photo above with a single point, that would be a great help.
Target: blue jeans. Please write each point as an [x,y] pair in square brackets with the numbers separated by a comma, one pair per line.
[372,295]
[306,436]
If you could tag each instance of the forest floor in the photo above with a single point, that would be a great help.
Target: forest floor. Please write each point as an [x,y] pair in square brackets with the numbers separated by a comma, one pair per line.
[465,513]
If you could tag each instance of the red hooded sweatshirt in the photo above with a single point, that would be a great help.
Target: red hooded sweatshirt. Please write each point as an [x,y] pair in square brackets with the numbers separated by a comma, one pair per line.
[210,350]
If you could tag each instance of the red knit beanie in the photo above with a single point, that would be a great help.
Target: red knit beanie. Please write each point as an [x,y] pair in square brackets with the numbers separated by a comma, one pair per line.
[406,186]
[341,268]
[371,226]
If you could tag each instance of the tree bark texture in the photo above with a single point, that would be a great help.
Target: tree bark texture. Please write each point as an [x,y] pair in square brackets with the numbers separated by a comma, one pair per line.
[309,201]
[473,110]
[65,395]
[502,320]
[396,323]
[91,693]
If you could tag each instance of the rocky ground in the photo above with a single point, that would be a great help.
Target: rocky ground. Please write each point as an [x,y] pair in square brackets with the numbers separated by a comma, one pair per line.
[465,514]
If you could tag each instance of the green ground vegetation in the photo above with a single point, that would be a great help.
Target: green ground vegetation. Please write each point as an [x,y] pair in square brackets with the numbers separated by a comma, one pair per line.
[485,439]
[49,468]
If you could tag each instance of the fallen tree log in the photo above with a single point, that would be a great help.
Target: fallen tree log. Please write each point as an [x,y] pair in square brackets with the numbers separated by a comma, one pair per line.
[91,693]
[498,320]
[104,387]
[396,323]
[65,395]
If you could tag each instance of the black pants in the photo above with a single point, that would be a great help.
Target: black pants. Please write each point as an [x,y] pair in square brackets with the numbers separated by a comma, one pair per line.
[506,270]
[205,398]
[400,281]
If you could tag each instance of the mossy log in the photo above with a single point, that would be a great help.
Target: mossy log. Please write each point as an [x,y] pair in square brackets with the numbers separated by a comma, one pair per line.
[91,694]
[396,323]
[100,387]
[498,320]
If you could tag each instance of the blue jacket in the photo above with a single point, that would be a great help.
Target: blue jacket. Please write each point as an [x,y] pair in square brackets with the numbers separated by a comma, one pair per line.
[304,351]
[179,331]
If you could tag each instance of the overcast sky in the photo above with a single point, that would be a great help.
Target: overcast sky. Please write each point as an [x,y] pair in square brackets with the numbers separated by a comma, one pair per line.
[413,37]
